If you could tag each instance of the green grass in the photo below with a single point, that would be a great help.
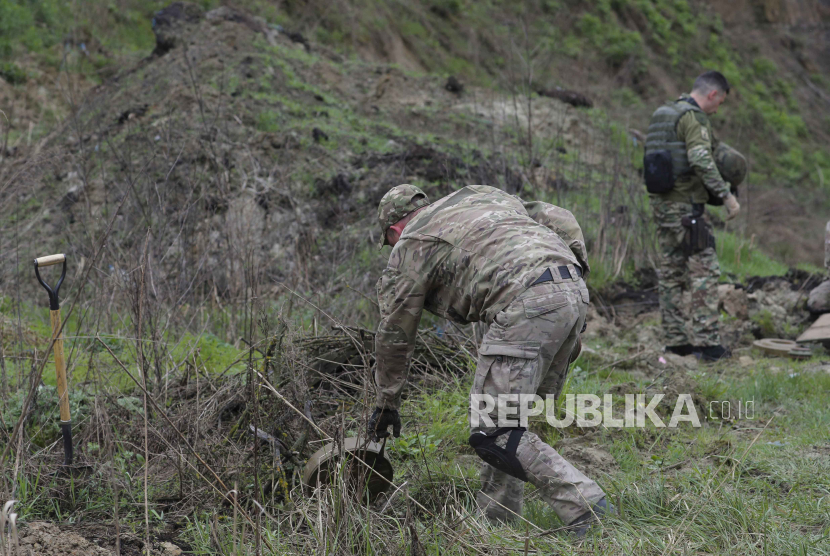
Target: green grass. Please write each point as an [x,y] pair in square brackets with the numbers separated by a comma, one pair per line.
[739,258]
[714,489]
[731,494]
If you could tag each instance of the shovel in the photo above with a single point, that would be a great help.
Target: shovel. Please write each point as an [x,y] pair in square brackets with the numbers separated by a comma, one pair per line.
[60,362]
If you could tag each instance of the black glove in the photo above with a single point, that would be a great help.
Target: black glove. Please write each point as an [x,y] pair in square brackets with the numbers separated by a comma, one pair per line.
[379,423]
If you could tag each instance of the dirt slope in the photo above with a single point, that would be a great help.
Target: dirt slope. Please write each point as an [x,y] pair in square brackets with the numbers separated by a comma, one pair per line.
[237,143]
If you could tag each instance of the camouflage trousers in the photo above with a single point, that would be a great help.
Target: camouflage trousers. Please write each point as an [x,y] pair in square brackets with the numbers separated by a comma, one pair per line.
[526,351]
[678,273]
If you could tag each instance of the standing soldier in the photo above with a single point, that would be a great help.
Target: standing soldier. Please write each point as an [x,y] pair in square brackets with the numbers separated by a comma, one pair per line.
[481,255]
[682,176]
[827,246]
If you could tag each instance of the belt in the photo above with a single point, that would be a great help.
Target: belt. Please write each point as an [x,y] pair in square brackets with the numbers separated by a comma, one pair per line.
[564,274]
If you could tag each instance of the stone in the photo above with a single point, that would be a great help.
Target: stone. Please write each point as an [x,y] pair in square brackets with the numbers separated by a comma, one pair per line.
[170,549]
[689,362]
[454,85]
[746,361]
[734,301]
[819,300]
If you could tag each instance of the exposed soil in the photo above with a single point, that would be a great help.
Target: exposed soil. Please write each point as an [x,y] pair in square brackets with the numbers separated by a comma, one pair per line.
[40,538]
[587,455]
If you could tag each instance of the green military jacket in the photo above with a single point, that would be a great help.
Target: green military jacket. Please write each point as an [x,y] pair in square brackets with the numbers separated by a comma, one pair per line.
[695,130]
[465,257]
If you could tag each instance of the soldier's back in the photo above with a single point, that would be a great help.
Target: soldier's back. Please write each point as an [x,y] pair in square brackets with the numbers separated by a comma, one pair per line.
[477,249]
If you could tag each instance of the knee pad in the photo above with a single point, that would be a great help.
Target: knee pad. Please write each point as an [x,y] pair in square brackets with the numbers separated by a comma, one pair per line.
[503,459]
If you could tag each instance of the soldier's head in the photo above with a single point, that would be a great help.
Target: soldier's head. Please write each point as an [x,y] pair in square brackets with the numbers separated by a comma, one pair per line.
[398,204]
[710,90]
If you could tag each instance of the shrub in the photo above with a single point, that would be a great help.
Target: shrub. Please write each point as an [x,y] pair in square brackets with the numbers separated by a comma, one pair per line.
[12,73]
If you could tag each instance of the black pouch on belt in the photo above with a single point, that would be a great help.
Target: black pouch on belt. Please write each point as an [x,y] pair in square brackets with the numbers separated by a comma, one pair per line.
[698,234]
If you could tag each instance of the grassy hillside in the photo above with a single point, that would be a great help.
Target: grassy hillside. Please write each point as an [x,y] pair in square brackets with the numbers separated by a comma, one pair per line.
[626,55]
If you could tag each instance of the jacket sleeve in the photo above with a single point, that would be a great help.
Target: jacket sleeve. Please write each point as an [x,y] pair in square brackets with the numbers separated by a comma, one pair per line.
[699,148]
[561,222]
[401,301]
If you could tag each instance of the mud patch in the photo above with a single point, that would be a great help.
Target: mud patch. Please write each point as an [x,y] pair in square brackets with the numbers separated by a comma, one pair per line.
[679,384]
[48,539]
[586,456]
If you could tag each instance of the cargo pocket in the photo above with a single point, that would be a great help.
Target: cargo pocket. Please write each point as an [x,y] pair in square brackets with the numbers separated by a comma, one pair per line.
[507,367]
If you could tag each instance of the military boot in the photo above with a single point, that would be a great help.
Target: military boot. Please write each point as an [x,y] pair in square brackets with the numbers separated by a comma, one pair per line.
[580,526]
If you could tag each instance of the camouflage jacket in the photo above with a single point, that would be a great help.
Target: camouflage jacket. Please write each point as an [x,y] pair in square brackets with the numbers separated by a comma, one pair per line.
[694,129]
[465,257]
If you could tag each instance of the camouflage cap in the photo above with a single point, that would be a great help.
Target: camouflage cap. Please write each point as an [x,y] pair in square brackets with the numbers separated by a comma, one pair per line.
[397,203]
[731,164]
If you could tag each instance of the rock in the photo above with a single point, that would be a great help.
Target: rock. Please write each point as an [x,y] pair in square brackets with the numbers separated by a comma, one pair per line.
[454,85]
[746,361]
[171,24]
[319,135]
[170,549]
[688,362]
[75,187]
[570,97]
[39,537]
[733,301]
[299,39]
[132,113]
[819,300]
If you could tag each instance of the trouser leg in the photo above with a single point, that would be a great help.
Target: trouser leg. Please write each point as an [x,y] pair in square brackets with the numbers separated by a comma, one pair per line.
[501,495]
[672,270]
[704,273]
[565,488]
[518,356]
[561,485]
[672,279]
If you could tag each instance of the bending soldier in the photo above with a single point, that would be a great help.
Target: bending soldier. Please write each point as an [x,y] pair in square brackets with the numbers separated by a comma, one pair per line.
[481,255]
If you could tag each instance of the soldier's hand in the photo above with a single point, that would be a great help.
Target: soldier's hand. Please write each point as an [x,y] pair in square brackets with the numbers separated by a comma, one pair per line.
[379,423]
[732,206]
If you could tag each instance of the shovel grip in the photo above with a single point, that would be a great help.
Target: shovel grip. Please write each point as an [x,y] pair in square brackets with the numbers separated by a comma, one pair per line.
[54,301]
[49,260]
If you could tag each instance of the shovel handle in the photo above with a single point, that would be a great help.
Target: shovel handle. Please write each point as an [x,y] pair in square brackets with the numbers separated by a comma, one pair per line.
[54,301]
[49,260]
